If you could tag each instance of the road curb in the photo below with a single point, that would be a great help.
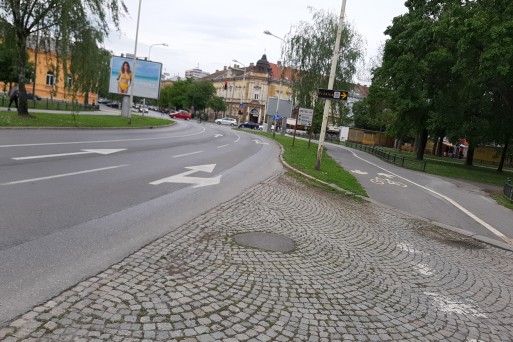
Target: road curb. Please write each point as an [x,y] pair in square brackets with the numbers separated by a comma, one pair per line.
[84,128]
[484,239]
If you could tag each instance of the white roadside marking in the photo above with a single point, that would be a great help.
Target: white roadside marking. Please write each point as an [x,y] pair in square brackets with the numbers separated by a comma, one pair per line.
[187,154]
[448,199]
[223,146]
[218,135]
[63,175]
[359,172]
[105,141]
[101,151]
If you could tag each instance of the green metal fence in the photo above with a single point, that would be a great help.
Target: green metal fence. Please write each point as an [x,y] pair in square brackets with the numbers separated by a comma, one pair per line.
[508,190]
[393,158]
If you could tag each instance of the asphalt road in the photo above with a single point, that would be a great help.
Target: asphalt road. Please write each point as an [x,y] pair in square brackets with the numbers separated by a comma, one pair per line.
[74,202]
[458,204]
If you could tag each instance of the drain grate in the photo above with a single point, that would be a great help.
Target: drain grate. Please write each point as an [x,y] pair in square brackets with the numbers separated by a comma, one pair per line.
[266,241]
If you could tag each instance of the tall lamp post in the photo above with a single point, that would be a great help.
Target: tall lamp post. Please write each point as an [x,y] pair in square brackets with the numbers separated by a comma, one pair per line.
[152,45]
[267,32]
[241,106]
[331,81]
[127,107]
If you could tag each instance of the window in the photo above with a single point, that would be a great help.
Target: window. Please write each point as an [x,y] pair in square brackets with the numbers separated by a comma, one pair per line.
[68,81]
[50,79]
[256,97]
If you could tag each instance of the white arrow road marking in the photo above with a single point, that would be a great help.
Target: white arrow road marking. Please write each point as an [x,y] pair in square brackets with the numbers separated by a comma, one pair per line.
[218,135]
[104,152]
[63,175]
[359,172]
[184,178]
[385,175]
[258,142]
[187,154]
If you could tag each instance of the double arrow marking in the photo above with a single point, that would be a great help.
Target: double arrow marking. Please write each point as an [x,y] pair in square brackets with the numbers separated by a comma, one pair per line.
[184,178]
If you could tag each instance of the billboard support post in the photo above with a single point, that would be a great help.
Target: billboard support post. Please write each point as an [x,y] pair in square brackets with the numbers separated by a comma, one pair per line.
[134,65]
[125,107]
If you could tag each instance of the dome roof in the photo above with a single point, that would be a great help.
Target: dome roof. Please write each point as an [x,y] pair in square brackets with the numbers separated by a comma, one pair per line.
[263,64]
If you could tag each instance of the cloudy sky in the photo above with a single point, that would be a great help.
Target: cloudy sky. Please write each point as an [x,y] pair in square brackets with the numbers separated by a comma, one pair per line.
[210,34]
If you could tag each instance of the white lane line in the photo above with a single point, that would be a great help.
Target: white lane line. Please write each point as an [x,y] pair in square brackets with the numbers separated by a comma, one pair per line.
[448,199]
[187,154]
[238,138]
[223,146]
[105,141]
[63,175]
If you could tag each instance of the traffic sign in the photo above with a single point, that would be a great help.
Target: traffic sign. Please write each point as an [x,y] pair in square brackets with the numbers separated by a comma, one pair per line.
[276,117]
[333,94]
[305,117]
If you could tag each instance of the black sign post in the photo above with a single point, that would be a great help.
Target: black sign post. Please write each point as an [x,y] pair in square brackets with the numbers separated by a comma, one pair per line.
[333,94]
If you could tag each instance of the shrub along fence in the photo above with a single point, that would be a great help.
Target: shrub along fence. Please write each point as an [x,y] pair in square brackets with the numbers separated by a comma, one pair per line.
[52,104]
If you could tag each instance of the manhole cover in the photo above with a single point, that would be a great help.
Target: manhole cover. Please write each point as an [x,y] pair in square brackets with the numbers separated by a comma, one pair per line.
[266,241]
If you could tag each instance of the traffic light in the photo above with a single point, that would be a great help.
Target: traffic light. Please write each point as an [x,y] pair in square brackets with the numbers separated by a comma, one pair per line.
[225,85]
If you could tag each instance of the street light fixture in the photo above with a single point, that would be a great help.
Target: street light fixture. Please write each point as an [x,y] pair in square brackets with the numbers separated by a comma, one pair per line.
[267,32]
[241,106]
[152,45]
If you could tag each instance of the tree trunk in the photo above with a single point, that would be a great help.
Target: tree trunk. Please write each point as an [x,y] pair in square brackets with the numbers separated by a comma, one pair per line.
[470,155]
[435,145]
[22,97]
[398,145]
[422,141]
[440,149]
[503,155]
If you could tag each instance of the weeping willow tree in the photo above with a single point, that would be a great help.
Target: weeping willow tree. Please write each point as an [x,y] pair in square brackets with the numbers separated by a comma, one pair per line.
[62,21]
[309,50]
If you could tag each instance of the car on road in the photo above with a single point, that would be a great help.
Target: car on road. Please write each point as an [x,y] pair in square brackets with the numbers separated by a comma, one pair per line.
[226,121]
[33,97]
[250,125]
[180,114]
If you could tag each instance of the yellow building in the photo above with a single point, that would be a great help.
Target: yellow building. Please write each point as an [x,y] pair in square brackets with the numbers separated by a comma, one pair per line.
[252,86]
[47,84]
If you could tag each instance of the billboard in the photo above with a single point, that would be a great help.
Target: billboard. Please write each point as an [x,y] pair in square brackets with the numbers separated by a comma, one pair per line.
[284,110]
[146,81]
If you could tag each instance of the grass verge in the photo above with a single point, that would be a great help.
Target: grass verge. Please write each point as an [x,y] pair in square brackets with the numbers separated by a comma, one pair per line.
[303,158]
[12,119]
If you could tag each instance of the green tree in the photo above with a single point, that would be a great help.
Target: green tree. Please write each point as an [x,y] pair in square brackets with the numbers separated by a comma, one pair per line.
[309,50]
[90,64]
[199,93]
[217,104]
[62,21]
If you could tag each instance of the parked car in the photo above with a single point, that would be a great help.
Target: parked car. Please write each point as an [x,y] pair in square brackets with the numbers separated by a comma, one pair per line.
[250,125]
[180,114]
[226,121]
[33,97]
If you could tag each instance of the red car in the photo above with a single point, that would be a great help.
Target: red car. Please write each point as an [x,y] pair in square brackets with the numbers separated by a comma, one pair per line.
[180,114]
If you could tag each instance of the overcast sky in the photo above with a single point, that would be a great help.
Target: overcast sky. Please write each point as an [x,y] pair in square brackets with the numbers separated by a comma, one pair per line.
[210,34]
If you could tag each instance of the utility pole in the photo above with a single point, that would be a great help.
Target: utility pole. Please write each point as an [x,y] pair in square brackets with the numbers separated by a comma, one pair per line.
[327,104]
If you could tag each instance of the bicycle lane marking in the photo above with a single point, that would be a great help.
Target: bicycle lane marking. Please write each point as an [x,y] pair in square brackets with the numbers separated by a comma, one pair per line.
[448,199]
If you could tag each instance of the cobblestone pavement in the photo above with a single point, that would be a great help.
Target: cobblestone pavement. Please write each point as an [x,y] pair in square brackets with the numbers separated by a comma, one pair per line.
[358,273]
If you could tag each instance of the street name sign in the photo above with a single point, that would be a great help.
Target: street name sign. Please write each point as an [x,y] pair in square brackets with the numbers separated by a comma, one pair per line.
[333,94]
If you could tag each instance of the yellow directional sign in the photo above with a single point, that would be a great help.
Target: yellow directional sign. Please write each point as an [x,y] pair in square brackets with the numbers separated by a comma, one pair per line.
[333,94]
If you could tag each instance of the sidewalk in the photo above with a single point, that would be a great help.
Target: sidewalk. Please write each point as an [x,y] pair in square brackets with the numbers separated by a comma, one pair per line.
[357,272]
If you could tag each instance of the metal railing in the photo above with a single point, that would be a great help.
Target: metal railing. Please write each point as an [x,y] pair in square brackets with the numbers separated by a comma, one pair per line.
[52,104]
[508,190]
[396,159]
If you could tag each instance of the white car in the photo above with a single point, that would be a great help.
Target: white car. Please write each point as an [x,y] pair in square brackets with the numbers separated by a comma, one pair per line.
[226,121]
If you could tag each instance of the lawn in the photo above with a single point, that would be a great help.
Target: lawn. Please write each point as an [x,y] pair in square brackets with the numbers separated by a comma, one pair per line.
[12,119]
[303,158]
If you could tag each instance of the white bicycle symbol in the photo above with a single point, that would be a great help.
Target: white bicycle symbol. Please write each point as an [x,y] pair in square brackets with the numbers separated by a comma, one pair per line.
[382,181]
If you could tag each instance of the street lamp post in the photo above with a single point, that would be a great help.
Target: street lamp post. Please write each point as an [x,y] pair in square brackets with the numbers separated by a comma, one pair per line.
[241,106]
[152,45]
[331,81]
[267,32]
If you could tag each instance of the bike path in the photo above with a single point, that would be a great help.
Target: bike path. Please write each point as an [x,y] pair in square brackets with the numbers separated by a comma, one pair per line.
[451,202]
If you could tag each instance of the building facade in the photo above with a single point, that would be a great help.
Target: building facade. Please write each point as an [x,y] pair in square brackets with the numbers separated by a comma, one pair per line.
[246,90]
[196,73]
